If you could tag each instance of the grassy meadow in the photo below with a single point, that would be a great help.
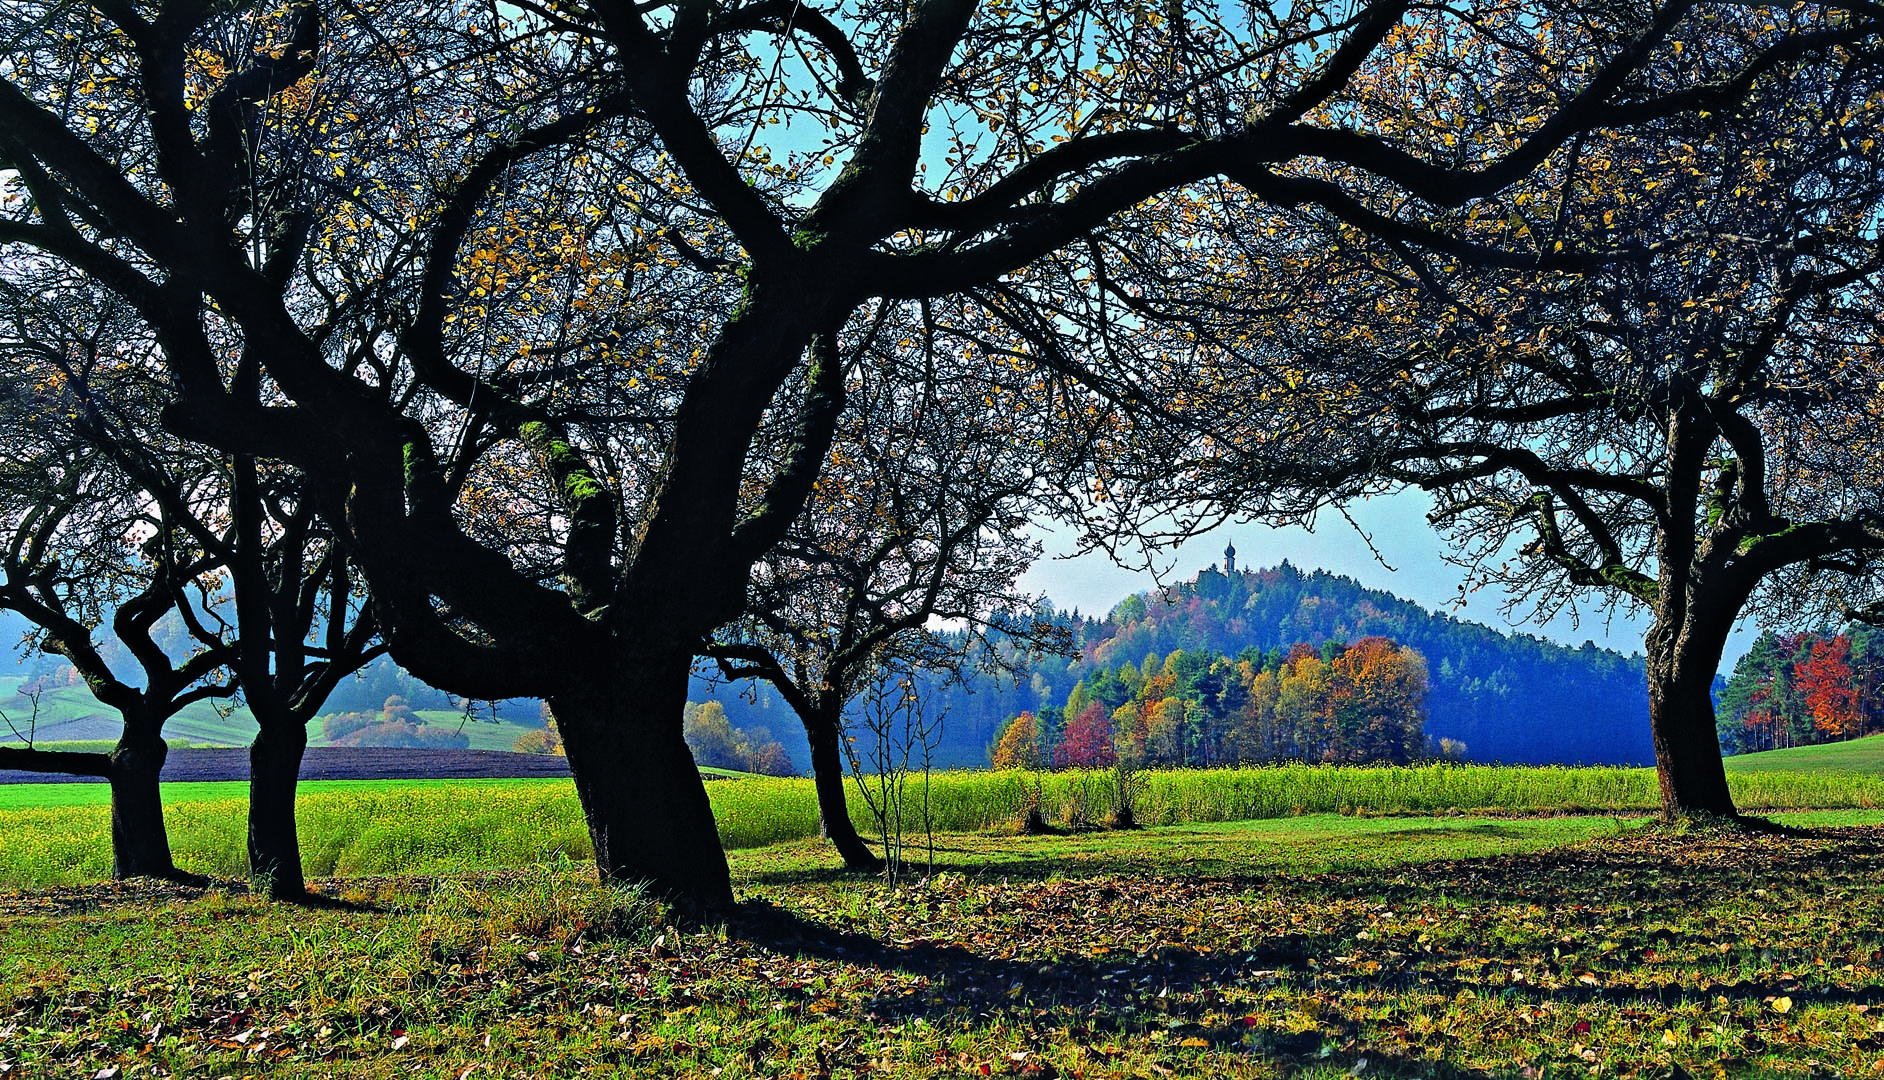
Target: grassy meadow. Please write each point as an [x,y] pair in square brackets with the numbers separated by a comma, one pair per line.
[1436,921]
[58,834]
[1864,755]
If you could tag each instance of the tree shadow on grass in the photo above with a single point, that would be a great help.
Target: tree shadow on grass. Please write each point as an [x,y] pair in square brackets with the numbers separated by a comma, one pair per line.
[319,901]
[1650,866]
[98,896]
[1644,887]
[1171,991]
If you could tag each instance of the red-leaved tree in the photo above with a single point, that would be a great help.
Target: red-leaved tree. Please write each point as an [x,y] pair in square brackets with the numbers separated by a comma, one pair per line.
[1088,741]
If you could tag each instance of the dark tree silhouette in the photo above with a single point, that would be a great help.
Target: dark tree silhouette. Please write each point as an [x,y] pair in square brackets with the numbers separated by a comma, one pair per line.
[1686,420]
[231,551]
[85,545]
[556,314]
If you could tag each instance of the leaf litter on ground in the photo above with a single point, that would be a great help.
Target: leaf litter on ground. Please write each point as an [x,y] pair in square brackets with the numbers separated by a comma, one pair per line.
[1658,951]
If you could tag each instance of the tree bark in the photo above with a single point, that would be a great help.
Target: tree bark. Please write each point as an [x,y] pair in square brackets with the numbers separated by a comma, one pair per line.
[140,845]
[71,763]
[641,792]
[827,776]
[1681,667]
[273,842]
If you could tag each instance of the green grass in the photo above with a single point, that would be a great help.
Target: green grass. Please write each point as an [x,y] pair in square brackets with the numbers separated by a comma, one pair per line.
[978,800]
[1319,843]
[75,746]
[198,724]
[58,833]
[1864,755]
[1317,947]
[102,746]
[48,796]
[346,827]
[484,734]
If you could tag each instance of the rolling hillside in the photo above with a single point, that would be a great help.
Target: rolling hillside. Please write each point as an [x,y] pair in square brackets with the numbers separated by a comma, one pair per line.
[1509,697]
[1855,755]
[71,715]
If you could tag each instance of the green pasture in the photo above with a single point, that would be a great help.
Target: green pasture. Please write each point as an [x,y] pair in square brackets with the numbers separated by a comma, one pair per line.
[59,833]
[1854,755]
[69,708]
[484,734]
[1286,922]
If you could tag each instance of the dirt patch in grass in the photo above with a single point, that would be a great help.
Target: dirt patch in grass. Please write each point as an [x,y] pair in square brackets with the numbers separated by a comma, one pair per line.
[205,765]
[67,900]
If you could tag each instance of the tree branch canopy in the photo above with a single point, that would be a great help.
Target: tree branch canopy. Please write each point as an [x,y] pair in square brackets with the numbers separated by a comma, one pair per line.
[548,306]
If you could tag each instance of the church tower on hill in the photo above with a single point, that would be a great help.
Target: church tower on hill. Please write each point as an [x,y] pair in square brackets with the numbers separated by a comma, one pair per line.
[1229,559]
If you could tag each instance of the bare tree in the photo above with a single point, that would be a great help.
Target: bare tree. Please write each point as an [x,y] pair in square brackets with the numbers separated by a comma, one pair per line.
[909,553]
[84,547]
[231,551]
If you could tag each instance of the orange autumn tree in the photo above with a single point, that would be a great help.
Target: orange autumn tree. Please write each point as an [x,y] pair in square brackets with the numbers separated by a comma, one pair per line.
[1019,745]
[1377,701]
[1824,678]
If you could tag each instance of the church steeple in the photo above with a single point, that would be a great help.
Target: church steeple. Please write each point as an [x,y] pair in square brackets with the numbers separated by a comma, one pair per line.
[1229,559]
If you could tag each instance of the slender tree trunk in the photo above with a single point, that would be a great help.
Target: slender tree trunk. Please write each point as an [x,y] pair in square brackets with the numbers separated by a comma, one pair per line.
[274,772]
[641,792]
[1681,667]
[827,775]
[140,846]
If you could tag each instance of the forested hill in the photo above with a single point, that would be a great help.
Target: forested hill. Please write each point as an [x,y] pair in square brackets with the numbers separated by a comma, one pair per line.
[1508,697]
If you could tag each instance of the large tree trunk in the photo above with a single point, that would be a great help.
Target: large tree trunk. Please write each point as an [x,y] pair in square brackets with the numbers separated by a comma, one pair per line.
[641,793]
[274,845]
[1681,667]
[827,775]
[140,846]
